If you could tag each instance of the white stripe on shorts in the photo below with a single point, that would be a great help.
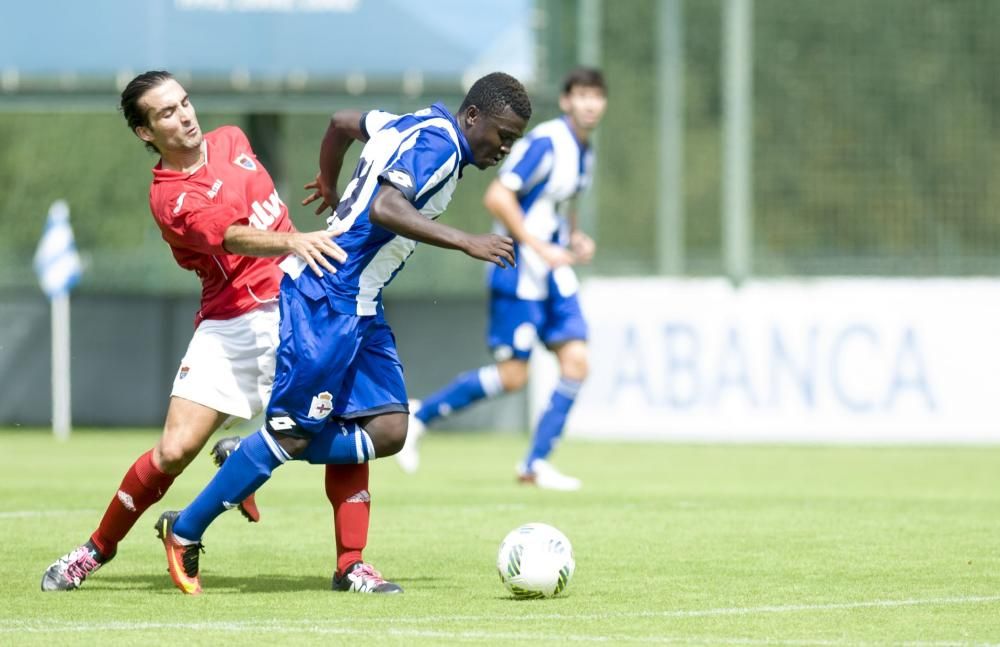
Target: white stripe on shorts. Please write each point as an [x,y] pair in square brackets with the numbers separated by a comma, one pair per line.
[357,445]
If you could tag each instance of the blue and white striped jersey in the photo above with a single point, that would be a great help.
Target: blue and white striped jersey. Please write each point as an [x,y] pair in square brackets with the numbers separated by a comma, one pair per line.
[546,169]
[421,154]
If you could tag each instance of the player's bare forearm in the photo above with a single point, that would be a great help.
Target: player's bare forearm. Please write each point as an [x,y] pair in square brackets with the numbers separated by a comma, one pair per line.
[344,128]
[502,203]
[250,241]
[314,247]
[391,210]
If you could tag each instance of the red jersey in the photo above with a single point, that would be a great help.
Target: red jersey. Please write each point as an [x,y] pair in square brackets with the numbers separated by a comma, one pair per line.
[194,210]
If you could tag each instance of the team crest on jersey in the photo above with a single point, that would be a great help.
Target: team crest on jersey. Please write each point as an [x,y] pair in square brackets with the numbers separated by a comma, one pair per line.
[246,162]
[322,405]
[183,372]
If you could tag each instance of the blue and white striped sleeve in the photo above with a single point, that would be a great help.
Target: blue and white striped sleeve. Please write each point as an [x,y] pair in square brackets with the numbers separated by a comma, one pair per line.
[375,120]
[529,162]
[423,161]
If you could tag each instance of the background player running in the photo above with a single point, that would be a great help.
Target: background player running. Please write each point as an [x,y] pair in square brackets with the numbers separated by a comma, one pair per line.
[339,395]
[538,299]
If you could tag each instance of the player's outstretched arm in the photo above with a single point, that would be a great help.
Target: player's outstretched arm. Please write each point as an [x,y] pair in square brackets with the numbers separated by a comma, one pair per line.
[314,247]
[344,128]
[503,204]
[391,210]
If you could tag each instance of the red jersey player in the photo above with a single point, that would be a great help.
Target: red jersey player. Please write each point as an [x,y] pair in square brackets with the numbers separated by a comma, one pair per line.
[217,208]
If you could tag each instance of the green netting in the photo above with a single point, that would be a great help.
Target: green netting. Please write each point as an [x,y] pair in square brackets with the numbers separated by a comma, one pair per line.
[874,146]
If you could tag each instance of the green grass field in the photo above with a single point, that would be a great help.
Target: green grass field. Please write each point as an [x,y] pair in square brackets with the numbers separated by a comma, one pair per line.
[675,544]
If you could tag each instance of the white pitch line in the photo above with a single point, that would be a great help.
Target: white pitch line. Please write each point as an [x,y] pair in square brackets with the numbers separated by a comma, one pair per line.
[793,608]
[726,611]
[32,514]
[331,626]
[257,627]
[701,613]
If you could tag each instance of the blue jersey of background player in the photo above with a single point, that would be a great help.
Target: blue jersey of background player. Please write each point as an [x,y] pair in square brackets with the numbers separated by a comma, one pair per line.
[537,300]
[339,395]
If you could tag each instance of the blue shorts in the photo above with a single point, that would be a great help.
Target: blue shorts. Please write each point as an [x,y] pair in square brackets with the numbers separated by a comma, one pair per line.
[516,323]
[331,365]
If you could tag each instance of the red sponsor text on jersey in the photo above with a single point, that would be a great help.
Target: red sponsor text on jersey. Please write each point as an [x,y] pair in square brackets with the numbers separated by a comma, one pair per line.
[194,210]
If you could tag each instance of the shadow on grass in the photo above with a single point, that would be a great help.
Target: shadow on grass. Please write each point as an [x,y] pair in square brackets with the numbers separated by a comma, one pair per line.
[245,584]
[263,583]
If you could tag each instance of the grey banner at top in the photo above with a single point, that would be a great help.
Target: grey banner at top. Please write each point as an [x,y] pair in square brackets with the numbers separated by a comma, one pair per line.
[267,38]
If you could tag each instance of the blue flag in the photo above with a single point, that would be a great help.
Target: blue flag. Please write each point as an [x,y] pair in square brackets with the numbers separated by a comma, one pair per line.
[57,262]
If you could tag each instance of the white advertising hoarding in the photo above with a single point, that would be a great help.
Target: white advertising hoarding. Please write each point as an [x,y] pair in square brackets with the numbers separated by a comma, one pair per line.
[832,360]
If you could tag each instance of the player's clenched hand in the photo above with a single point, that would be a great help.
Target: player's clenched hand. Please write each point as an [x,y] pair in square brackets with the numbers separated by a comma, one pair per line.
[583,246]
[555,255]
[493,248]
[316,248]
[325,201]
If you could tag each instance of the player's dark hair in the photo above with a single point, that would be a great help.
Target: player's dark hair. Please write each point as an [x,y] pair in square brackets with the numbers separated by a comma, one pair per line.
[584,77]
[134,114]
[495,92]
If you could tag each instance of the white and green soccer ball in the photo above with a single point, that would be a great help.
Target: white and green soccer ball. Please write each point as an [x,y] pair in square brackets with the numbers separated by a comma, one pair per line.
[535,561]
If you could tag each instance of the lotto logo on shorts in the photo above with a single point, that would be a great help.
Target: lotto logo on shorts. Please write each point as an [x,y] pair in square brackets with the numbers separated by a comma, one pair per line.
[280,423]
[322,405]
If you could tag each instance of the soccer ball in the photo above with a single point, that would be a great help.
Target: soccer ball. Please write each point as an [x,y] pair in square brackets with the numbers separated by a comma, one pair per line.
[535,561]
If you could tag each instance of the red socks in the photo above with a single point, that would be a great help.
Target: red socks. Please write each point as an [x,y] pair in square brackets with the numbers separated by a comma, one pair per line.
[347,490]
[142,486]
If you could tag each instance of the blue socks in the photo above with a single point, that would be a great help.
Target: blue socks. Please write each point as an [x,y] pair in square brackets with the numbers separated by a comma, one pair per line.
[465,389]
[550,425]
[485,383]
[250,466]
[245,470]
